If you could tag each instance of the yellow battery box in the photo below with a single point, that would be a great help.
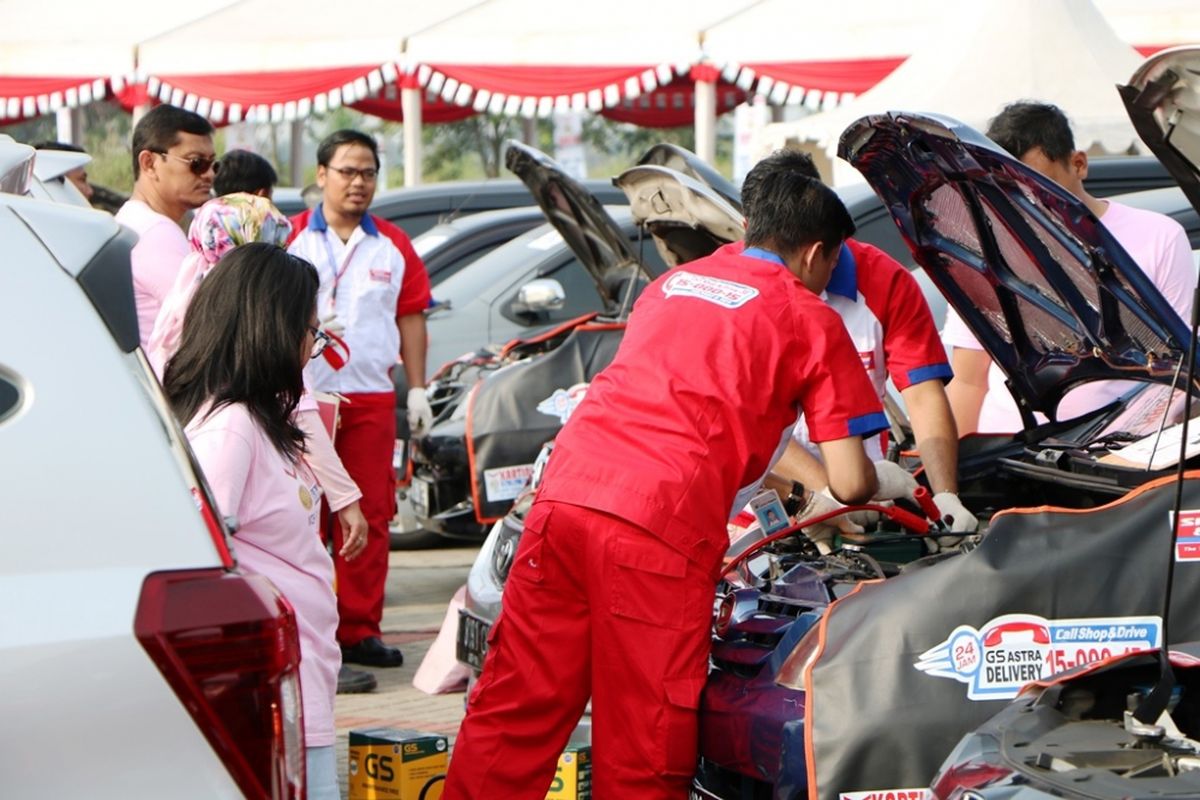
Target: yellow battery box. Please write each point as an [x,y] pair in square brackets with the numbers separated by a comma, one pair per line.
[573,778]
[397,764]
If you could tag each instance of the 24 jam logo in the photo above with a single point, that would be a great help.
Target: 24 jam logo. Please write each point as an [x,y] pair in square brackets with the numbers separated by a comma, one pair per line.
[995,661]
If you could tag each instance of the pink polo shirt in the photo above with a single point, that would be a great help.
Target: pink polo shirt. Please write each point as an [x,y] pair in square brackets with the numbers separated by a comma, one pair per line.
[1159,245]
[277,504]
[155,259]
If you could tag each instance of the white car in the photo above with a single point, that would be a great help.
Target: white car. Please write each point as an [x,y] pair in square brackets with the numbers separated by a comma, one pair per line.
[135,661]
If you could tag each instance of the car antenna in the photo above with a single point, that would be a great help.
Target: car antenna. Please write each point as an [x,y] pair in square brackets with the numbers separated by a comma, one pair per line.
[631,288]
[1143,721]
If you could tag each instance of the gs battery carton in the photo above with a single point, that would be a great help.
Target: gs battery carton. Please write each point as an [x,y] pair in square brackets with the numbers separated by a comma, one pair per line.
[573,778]
[396,764]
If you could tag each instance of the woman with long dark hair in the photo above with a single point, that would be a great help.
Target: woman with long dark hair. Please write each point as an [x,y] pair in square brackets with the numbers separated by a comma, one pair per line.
[235,382]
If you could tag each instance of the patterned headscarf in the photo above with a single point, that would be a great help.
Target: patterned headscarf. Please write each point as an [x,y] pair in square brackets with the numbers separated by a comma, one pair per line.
[225,222]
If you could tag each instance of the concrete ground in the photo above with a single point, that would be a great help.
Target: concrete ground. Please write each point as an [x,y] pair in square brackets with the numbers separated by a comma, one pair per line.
[420,585]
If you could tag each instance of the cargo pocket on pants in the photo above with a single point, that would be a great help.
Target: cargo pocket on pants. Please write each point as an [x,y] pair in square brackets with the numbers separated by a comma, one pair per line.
[649,582]
[679,726]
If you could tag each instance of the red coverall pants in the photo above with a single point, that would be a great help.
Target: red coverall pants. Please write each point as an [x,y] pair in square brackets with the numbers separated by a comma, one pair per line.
[594,607]
[365,442]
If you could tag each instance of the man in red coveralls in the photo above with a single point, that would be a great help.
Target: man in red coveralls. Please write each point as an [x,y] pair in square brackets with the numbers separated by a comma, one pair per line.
[611,592]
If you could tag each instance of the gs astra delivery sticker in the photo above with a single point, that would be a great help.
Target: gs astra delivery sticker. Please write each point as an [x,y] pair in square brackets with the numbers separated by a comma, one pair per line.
[1008,652]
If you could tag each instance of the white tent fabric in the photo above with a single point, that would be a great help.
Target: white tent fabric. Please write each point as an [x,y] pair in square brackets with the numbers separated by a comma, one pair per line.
[986,54]
[282,36]
[782,31]
[1159,23]
[660,38]
[92,43]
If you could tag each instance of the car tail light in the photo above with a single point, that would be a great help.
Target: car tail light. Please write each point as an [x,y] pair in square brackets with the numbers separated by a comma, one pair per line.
[227,644]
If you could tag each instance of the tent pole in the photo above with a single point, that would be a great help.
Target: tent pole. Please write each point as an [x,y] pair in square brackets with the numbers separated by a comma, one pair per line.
[296,153]
[705,78]
[410,105]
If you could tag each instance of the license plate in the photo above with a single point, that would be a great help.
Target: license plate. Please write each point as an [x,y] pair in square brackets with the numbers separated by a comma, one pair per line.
[418,493]
[471,644]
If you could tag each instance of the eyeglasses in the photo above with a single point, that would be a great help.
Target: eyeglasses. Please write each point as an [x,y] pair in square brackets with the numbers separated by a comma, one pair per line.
[350,173]
[320,342]
[197,164]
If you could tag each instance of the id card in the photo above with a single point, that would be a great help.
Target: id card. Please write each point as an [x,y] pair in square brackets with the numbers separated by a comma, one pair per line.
[768,510]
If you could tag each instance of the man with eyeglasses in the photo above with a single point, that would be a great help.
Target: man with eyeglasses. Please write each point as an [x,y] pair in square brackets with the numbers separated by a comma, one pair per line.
[174,163]
[374,290]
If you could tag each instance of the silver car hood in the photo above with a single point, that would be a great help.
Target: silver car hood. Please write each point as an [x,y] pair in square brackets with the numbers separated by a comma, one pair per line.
[687,217]
[1163,101]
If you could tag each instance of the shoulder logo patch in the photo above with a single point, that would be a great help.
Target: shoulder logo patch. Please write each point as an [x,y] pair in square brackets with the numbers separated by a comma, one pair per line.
[713,290]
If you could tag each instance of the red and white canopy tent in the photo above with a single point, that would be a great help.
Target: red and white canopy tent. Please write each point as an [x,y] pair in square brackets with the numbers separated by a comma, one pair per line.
[630,59]
[985,54]
[61,54]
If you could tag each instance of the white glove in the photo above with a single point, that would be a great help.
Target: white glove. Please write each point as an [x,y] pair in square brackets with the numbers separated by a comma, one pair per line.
[894,481]
[420,415]
[853,521]
[954,513]
[823,533]
[331,324]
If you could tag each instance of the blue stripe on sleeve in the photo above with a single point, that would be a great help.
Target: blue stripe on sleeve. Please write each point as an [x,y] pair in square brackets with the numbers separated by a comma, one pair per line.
[868,424]
[940,372]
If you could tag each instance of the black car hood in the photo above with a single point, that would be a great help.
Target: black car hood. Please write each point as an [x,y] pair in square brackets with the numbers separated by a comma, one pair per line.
[1163,101]
[584,224]
[1041,283]
[686,217]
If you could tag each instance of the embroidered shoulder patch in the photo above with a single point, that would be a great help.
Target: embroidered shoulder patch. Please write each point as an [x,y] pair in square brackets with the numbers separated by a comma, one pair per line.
[714,290]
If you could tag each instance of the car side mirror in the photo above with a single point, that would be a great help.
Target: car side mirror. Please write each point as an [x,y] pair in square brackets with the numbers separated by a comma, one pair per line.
[537,296]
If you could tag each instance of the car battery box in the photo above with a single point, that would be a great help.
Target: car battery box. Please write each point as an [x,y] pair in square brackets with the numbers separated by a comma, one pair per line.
[397,764]
[573,776]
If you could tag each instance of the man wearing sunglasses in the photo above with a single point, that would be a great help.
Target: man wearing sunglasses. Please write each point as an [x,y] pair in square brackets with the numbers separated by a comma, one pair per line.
[173,168]
[374,290]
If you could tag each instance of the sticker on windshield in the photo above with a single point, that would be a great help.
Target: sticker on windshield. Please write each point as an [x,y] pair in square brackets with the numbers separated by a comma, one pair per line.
[1015,649]
[505,483]
[713,290]
[563,402]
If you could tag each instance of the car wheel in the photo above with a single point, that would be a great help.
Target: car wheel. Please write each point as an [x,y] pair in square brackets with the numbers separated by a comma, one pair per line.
[419,539]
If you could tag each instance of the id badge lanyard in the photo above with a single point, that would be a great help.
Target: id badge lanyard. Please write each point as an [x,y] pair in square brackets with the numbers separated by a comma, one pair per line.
[338,354]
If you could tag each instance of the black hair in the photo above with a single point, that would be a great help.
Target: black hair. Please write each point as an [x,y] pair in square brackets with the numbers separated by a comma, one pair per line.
[1024,125]
[333,141]
[52,145]
[243,171]
[787,208]
[158,131]
[785,159]
[241,341]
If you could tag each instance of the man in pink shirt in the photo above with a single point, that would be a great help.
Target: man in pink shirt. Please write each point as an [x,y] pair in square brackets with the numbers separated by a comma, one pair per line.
[1040,136]
[174,163]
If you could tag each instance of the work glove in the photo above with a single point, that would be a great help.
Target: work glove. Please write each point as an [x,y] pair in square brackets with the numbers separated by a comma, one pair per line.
[331,324]
[954,513]
[420,415]
[894,481]
[822,534]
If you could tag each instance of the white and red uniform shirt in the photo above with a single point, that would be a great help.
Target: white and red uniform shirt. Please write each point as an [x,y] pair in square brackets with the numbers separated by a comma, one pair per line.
[1157,244]
[368,281]
[277,503]
[888,320]
[154,260]
[719,358]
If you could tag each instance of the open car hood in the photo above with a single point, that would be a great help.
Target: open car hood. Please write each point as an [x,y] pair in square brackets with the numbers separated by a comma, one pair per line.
[690,164]
[1041,283]
[686,216]
[1163,101]
[584,224]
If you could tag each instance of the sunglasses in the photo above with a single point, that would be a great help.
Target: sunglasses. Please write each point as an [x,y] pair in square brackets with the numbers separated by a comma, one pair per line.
[199,165]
